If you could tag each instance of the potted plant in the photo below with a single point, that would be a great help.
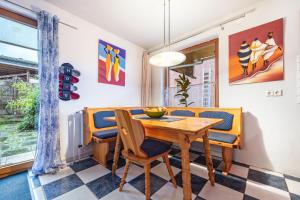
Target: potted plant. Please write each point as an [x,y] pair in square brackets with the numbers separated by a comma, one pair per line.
[184,85]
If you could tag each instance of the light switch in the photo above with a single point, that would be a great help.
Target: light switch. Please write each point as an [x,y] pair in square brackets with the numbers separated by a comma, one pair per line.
[274,93]
[269,93]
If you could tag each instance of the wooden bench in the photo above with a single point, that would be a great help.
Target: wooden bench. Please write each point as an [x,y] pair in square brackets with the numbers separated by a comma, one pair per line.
[227,135]
[100,131]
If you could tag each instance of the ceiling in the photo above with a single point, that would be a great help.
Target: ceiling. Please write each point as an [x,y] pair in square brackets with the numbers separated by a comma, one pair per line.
[141,21]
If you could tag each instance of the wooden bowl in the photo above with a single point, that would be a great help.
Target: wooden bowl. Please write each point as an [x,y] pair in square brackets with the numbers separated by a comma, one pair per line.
[154,113]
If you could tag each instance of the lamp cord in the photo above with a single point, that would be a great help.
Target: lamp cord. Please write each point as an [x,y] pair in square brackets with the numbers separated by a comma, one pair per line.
[164,23]
[169,24]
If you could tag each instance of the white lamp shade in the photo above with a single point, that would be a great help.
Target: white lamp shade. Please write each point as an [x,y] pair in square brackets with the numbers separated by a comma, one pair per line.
[167,59]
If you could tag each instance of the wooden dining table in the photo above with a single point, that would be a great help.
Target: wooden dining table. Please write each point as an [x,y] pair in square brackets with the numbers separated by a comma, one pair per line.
[181,131]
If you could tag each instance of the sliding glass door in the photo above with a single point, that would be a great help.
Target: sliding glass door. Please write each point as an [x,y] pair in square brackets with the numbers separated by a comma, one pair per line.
[18,88]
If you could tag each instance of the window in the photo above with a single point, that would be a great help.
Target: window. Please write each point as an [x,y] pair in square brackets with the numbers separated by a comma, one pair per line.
[18,40]
[18,87]
[201,69]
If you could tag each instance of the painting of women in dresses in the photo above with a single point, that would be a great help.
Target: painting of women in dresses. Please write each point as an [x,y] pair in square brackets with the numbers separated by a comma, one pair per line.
[256,55]
[111,64]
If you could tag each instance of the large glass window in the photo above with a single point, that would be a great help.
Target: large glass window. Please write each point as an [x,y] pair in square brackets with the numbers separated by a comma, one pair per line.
[200,69]
[18,40]
[18,89]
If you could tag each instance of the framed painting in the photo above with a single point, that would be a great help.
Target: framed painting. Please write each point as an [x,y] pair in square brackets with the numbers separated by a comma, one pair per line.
[256,55]
[111,64]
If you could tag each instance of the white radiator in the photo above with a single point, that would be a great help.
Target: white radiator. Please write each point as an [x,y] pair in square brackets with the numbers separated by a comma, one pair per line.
[76,149]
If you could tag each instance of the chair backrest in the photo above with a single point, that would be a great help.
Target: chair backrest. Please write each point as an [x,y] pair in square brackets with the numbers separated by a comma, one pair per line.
[185,113]
[132,133]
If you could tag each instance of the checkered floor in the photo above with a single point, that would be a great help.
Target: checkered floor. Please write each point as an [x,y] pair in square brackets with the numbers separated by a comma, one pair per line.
[88,180]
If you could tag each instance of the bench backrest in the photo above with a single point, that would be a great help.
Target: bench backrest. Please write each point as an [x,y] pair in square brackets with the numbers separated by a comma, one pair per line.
[234,128]
[94,120]
[137,111]
[186,113]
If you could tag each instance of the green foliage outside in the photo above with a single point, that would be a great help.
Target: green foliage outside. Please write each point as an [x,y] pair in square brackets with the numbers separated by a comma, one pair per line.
[184,83]
[26,103]
[13,141]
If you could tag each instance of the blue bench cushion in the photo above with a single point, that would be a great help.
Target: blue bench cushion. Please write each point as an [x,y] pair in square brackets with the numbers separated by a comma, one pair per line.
[226,125]
[105,134]
[154,147]
[222,137]
[137,112]
[99,120]
[185,113]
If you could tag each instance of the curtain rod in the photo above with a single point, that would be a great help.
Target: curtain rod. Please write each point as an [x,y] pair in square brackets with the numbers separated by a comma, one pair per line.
[31,10]
[221,24]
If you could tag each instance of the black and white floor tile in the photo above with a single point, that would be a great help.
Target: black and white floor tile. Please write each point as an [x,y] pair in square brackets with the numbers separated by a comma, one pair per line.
[87,180]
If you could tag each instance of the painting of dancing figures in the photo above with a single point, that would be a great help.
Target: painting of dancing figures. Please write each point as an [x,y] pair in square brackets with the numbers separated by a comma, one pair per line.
[111,64]
[256,55]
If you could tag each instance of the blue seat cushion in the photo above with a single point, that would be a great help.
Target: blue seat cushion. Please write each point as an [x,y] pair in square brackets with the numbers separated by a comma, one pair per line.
[154,147]
[185,113]
[105,134]
[99,119]
[226,125]
[222,137]
[137,112]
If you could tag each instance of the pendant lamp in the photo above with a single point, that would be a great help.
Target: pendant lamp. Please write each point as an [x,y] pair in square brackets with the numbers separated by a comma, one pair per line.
[167,58]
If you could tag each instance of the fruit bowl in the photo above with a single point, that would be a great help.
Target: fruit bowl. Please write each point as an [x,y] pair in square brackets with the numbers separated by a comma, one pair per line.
[155,112]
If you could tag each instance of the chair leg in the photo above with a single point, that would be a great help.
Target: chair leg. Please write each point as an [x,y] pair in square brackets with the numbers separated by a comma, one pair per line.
[123,180]
[116,154]
[147,181]
[227,158]
[167,161]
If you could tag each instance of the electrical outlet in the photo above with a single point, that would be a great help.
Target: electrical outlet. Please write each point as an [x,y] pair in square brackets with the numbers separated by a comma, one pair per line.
[274,93]
[278,93]
[269,93]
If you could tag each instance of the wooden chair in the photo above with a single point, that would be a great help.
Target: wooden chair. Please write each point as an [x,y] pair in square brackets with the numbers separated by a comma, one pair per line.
[139,149]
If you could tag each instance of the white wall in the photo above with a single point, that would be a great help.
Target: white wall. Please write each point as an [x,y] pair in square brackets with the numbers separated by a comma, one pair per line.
[272,124]
[80,48]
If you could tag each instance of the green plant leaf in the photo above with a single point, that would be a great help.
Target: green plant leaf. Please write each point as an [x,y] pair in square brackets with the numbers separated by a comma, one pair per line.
[191,103]
[186,95]
[176,95]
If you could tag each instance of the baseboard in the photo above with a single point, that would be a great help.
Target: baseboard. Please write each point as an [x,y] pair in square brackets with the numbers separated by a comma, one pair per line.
[76,158]
[13,169]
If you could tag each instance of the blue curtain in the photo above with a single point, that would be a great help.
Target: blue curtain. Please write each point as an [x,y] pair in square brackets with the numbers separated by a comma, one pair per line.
[47,158]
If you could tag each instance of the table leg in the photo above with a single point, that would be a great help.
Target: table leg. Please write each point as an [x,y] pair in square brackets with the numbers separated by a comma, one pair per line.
[116,154]
[209,163]
[185,165]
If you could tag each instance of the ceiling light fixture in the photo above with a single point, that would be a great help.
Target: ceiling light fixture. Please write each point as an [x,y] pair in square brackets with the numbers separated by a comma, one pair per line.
[167,58]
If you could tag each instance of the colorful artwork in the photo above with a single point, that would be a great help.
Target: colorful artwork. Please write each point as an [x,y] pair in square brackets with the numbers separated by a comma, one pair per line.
[256,55]
[111,64]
